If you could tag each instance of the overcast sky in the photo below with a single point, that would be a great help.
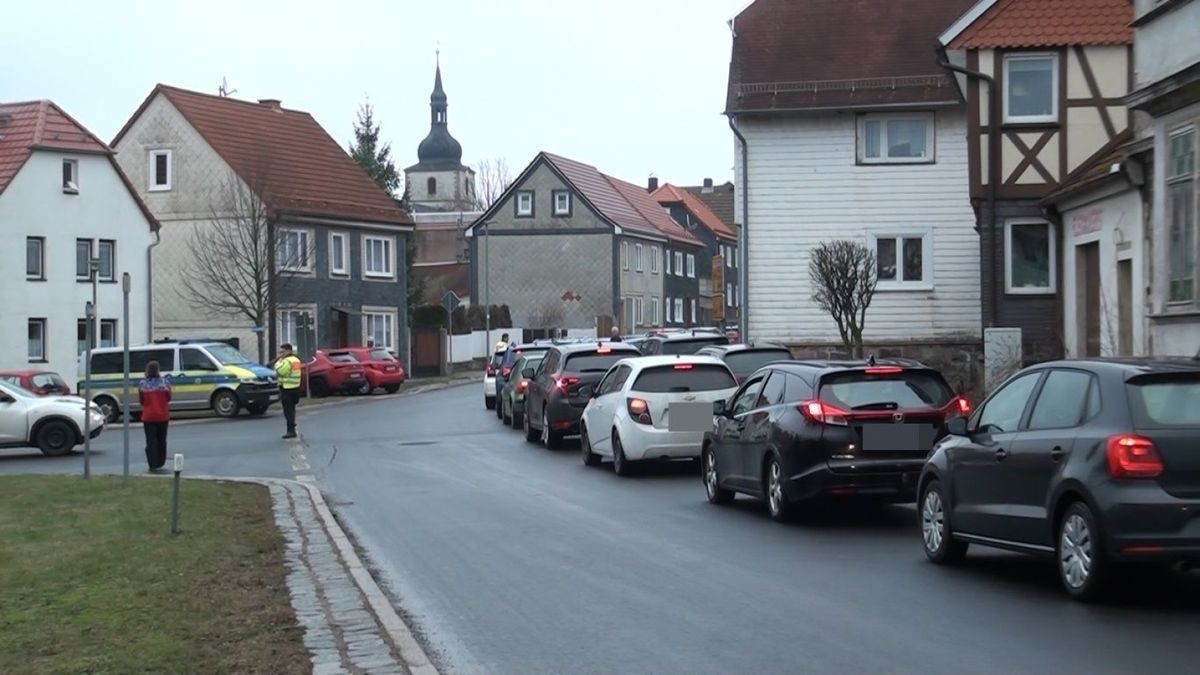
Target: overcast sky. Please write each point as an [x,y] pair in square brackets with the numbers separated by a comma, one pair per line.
[633,87]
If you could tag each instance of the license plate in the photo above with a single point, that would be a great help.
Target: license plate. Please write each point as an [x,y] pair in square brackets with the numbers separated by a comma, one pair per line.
[390,369]
[895,437]
[690,416]
[355,376]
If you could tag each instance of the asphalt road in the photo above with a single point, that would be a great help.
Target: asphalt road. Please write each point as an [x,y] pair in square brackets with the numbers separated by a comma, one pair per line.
[510,558]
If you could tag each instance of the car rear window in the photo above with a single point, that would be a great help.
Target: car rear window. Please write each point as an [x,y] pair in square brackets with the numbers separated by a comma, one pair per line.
[691,345]
[906,389]
[683,377]
[381,355]
[1165,400]
[512,356]
[746,362]
[592,362]
[343,357]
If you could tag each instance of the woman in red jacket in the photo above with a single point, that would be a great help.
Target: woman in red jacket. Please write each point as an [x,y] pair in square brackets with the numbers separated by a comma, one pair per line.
[154,392]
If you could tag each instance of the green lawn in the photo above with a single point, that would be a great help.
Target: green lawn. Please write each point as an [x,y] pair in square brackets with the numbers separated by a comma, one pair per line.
[92,581]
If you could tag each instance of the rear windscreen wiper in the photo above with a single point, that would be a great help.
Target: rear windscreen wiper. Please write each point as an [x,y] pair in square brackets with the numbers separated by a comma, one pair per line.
[880,405]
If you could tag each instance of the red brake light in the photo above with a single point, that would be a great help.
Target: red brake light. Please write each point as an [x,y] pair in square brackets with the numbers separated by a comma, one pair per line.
[683,366]
[1132,456]
[561,383]
[505,371]
[602,349]
[522,386]
[884,370]
[487,370]
[964,405]
[823,413]
[639,410]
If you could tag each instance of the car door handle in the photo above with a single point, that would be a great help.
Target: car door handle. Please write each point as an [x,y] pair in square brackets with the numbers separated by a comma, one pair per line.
[1057,454]
[1001,454]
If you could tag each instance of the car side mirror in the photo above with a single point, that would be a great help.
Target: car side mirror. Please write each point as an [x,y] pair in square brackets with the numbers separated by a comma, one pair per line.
[719,408]
[957,426]
[528,373]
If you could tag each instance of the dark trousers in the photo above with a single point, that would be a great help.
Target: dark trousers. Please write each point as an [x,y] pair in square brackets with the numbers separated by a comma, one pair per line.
[156,443]
[289,398]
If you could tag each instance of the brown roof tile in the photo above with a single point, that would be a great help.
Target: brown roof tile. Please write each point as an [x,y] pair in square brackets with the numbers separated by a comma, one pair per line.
[301,169]
[838,54]
[669,194]
[720,200]
[1049,23]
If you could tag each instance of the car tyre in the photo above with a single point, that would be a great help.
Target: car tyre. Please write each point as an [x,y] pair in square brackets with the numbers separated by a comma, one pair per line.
[391,388]
[225,403]
[936,535]
[778,506]
[712,484]
[318,387]
[621,465]
[257,409]
[550,438]
[1082,565]
[505,415]
[489,403]
[585,444]
[109,406]
[531,435]
[55,438]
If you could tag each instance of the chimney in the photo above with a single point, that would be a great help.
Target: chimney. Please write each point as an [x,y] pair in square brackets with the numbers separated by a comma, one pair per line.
[652,184]
[272,103]
[708,188]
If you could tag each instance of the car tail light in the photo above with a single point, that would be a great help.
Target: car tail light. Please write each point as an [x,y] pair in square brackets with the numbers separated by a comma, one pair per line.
[683,366]
[963,404]
[602,349]
[639,410]
[823,413]
[885,370]
[488,370]
[522,386]
[562,383]
[505,371]
[1132,456]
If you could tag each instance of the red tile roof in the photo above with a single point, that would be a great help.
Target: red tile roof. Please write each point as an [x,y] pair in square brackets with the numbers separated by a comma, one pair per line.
[839,54]
[1046,23]
[669,194]
[719,199]
[42,125]
[301,169]
[625,204]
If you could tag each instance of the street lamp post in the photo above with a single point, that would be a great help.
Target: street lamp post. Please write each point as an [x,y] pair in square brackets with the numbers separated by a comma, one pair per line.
[487,297]
[90,315]
[125,288]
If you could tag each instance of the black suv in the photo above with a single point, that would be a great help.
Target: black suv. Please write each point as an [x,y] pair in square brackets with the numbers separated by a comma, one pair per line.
[683,343]
[745,359]
[1091,462]
[802,430]
[562,386]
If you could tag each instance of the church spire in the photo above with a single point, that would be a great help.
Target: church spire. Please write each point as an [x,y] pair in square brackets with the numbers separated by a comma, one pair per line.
[439,148]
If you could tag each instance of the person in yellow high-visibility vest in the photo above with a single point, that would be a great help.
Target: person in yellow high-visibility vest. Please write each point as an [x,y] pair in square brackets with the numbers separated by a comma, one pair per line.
[289,368]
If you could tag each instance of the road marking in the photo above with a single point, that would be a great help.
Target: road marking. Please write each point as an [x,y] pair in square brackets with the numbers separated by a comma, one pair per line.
[300,466]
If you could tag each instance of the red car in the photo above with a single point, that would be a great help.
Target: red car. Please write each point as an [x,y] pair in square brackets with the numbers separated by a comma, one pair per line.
[335,372]
[382,369]
[40,382]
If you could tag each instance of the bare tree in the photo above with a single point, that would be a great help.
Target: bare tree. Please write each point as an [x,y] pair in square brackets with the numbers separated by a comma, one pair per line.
[843,281]
[492,178]
[228,269]
[549,314]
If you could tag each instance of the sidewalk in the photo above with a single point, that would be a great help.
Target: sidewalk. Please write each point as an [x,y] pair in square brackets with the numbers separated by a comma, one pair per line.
[349,625]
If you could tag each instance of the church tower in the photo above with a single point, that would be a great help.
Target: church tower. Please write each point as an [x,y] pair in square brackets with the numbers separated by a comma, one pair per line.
[439,181]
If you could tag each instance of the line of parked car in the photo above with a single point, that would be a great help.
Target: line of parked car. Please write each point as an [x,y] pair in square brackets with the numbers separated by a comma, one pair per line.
[1091,463]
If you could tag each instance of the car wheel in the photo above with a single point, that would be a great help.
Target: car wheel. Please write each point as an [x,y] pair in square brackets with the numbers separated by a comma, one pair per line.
[318,387]
[531,435]
[550,439]
[1082,566]
[516,419]
[712,483]
[940,545]
[489,403]
[225,403]
[109,406]
[777,503]
[505,416]
[621,465]
[55,438]
[589,458]
[391,388]
[257,409]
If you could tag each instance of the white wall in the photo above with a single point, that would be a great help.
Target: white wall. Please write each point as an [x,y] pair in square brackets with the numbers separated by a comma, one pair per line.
[1114,221]
[34,204]
[805,188]
[1165,45]
[476,345]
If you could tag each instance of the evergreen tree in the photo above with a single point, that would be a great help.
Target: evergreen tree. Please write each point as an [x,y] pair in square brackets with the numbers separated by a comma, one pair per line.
[376,160]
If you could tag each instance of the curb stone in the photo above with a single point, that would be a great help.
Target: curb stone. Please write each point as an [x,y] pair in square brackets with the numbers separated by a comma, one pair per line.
[411,653]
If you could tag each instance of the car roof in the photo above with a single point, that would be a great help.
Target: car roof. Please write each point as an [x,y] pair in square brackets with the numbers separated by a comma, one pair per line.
[1128,364]
[692,334]
[640,363]
[573,347]
[743,347]
[811,365]
[27,371]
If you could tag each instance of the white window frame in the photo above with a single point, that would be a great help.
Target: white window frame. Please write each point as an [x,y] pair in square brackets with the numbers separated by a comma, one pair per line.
[1053,260]
[654,310]
[637,258]
[691,266]
[521,210]
[153,177]
[679,263]
[883,118]
[284,312]
[112,263]
[695,311]
[655,252]
[283,265]
[30,356]
[625,255]
[900,284]
[678,310]
[392,326]
[41,270]
[1054,85]
[667,307]
[389,257]
[1169,180]
[344,247]
[87,274]
[639,309]
[71,187]
[666,262]
[565,209]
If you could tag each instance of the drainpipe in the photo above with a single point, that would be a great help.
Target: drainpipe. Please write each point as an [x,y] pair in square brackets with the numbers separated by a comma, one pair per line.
[150,287]
[743,249]
[993,170]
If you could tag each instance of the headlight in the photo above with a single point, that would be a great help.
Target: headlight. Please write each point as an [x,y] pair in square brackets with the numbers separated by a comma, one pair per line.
[249,380]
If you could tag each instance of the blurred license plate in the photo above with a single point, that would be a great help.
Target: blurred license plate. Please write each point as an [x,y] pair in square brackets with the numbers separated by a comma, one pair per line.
[355,376]
[690,416]
[390,369]
[898,437]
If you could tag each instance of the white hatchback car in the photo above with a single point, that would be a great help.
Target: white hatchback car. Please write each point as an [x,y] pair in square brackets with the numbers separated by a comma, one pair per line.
[653,407]
[53,423]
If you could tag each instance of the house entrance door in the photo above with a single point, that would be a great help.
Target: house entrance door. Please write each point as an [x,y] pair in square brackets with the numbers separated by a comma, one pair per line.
[1125,307]
[1087,284]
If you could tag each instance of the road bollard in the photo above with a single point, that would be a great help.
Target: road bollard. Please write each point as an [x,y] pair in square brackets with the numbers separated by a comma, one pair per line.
[175,494]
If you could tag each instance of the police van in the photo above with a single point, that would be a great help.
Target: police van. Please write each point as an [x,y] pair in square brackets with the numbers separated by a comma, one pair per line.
[204,375]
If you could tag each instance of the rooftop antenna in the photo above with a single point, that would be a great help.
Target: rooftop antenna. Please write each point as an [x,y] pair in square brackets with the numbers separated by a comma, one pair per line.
[224,91]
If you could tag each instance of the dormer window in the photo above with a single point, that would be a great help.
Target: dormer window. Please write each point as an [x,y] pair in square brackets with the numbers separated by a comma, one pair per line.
[70,176]
[525,204]
[160,170]
[1030,88]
